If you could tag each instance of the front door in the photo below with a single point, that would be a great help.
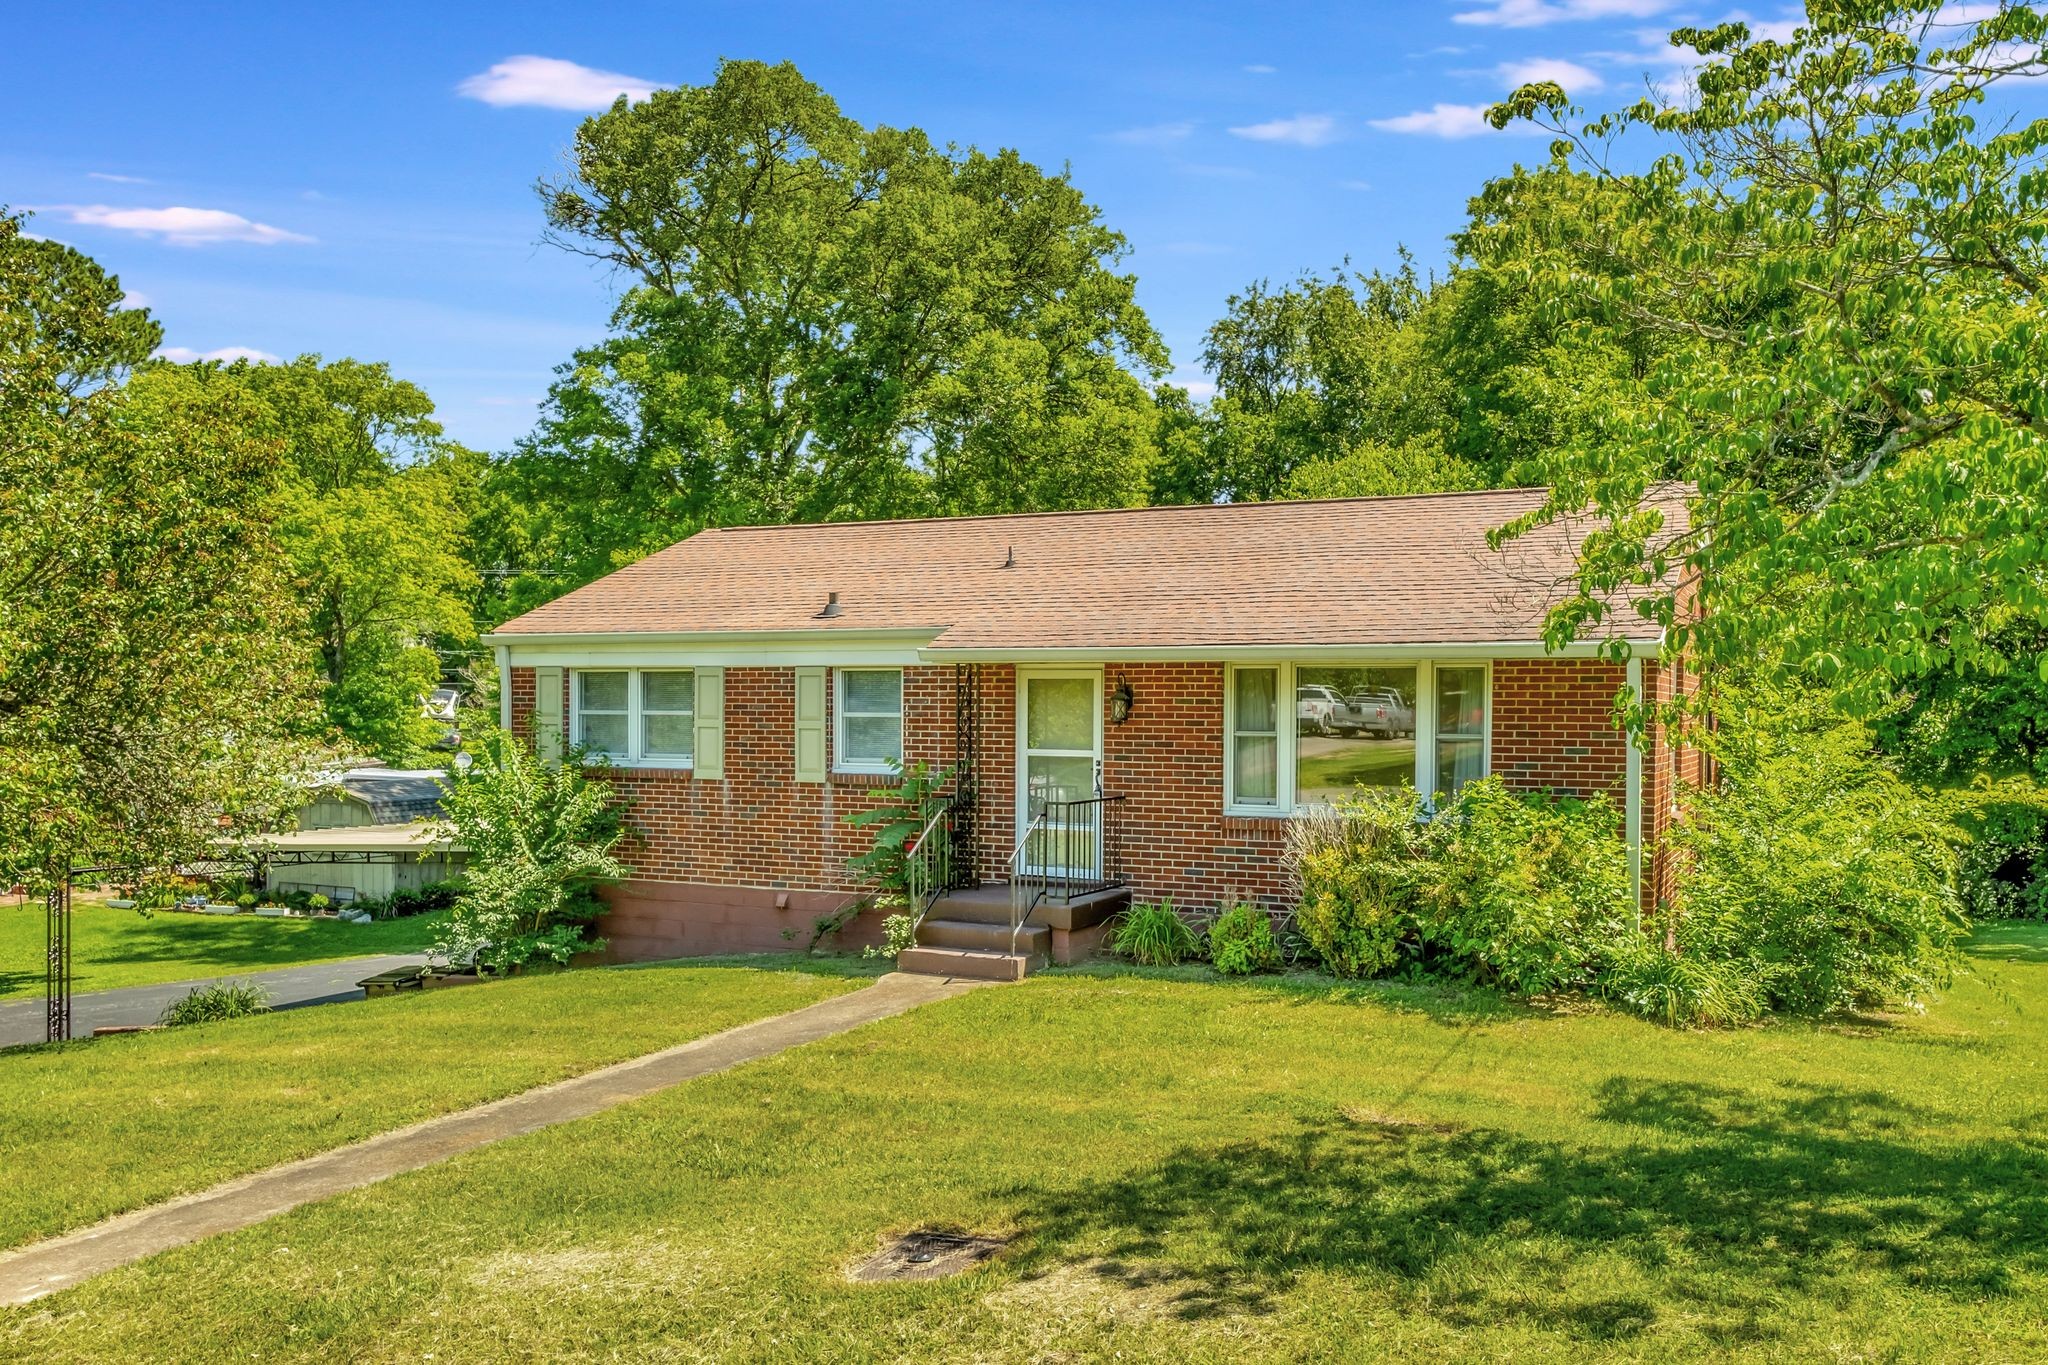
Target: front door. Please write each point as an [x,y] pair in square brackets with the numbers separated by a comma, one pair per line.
[1059,758]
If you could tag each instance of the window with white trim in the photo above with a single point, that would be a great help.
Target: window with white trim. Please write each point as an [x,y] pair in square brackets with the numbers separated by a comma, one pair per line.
[602,716]
[668,714]
[1353,724]
[1255,737]
[633,715]
[867,720]
[1460,725]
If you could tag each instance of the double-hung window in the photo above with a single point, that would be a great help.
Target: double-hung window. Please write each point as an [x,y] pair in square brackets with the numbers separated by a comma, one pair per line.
[668,715]
[601,706]
[635,715]
[1351,725]
[1255,738]
[868,720]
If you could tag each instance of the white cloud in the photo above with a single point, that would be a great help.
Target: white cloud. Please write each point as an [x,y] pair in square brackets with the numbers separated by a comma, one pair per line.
[1537,13]
[551,83]
[134,299]
[226,355]
[1154,134]
[179,226]
[1303,130]
[1359,185]
[1440,120]
[1261,69]
[111,178]
[1576,79]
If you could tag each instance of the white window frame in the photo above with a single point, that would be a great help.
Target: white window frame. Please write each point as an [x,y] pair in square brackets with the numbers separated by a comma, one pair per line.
[1290,732]
[639,727]
[1485,736]
[636,748]
[1283,749]
[840,763]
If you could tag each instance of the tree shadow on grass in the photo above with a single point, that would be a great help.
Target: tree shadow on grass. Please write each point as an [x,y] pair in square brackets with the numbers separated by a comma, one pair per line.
[2010,941]
[235,943]
[1437,999]
[1729,1204]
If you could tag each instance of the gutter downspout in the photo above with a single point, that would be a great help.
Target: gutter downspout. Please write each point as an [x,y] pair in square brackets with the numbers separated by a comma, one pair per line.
[504,687]
[1633,792]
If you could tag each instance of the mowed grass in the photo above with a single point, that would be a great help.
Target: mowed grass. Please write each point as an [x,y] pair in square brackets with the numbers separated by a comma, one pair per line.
[113,948]
[91,1129]
[1197,1170]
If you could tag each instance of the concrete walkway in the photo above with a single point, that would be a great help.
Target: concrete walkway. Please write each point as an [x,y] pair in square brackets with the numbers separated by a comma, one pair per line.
[63,1261]
[321,983]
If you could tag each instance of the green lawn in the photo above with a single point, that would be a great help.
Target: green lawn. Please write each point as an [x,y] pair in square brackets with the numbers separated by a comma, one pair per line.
[115,1123]
[1205,1171]
[1332,769]
[123,948]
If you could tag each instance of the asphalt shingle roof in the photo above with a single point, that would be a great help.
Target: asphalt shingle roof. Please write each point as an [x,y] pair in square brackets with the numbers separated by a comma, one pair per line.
[1357,571]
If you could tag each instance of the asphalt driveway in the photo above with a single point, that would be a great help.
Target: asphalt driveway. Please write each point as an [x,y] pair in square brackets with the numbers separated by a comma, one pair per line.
[322,983]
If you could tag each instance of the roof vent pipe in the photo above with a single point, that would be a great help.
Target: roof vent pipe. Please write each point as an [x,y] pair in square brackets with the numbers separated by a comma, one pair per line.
[831,604]
[1011,562]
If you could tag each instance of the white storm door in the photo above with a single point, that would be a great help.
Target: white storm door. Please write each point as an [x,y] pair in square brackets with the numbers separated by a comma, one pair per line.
[1059,758]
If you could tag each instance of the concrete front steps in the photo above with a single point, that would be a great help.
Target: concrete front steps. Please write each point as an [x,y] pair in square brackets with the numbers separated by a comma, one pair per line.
[967,934]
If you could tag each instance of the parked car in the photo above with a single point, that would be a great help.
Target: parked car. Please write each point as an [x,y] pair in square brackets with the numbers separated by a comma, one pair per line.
[1378,711]
[1314,707]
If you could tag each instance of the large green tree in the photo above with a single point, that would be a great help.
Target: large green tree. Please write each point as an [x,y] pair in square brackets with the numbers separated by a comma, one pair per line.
[1838,251]
[822,320]
[149,687]
[372,511]
[1307,373]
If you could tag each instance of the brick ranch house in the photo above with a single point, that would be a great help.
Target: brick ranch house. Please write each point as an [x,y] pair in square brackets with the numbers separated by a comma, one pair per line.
[1133,701]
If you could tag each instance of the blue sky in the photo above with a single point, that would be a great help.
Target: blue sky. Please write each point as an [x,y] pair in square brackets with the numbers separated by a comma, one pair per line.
[356,179]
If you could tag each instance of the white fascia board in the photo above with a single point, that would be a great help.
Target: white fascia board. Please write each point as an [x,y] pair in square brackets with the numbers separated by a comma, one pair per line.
[1282,653]
[717,649]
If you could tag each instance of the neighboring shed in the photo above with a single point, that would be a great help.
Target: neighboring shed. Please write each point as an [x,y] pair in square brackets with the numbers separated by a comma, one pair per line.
[366,832]
[375,796]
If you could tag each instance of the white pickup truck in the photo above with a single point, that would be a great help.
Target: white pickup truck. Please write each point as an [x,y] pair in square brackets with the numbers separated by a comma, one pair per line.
[1315,707]
[1376,711]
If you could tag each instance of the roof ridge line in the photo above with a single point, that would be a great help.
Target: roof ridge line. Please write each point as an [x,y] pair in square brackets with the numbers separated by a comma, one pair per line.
[1115,511]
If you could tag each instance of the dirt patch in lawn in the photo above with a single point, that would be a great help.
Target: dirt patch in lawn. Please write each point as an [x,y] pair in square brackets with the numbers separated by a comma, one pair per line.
[926,1255]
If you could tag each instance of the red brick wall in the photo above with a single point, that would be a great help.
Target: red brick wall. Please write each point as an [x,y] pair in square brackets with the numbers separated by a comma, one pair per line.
[1168,761]
[1671,768]
[1553,726]
[758,827]
[740,862]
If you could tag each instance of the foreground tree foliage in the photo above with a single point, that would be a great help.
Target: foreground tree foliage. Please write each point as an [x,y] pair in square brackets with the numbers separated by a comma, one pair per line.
[150,684]
[823,320]
[370,515]
[540,838]
[1832,277]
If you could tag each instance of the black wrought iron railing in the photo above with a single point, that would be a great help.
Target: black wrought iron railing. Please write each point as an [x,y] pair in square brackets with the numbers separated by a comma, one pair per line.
[1067,849]
[932,859]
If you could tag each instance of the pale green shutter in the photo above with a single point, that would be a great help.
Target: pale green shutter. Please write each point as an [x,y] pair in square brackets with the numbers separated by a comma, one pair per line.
[547,713]
[710,760]
[810,725]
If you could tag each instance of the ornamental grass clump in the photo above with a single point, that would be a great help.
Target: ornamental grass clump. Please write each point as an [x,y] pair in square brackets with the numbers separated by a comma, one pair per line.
[1154,936]
[1354,870]
[211,1004]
